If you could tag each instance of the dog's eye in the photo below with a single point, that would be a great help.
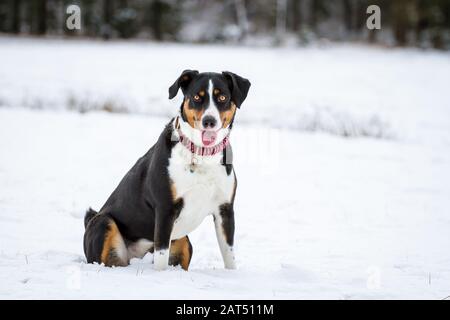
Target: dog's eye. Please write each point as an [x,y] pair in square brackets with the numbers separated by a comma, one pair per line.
[197,98]
[222,98]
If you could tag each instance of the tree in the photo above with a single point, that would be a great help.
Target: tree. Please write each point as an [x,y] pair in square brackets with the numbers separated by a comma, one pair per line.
[242,20]
[125,20]
[295,17]
[399,20]
[106,29]
[164,19]
[281,22]
[41,15]
[15,25]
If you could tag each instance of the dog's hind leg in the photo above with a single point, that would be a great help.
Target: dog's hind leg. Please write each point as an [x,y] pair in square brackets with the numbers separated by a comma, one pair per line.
[103,242]
[181,252]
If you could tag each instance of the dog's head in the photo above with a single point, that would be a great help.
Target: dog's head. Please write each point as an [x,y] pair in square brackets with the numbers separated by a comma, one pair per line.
[210,101]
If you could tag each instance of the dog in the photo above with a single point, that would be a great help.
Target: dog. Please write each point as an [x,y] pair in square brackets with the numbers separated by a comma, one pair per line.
[187,175]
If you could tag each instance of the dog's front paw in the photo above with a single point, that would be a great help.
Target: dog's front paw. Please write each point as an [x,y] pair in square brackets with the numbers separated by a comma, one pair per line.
[230,265]
[161,259]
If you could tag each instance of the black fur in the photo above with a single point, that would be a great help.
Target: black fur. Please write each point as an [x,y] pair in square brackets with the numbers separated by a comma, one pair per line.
[226,211]
[141,202]
[143,199]
[90,213]
[94,237]
[182,82]
[227,159]
[239,87]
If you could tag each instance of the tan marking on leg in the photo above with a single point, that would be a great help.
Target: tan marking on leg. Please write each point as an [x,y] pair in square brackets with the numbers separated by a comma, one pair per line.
[191,114]
[180,252]
[228,115]
[113,240]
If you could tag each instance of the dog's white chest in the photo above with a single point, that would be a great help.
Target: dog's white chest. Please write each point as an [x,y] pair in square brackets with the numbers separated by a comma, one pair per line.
[203,189]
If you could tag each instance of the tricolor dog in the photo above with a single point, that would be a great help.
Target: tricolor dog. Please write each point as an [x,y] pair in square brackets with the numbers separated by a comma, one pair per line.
[187,175]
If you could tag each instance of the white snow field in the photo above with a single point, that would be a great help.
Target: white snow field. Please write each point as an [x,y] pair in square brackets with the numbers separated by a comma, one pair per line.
[318,214]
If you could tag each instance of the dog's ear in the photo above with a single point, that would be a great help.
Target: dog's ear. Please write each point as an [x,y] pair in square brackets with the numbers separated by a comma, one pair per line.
[182,82]
[238,86]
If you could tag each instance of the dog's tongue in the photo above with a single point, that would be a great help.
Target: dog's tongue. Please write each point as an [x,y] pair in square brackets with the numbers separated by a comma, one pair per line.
[208,137]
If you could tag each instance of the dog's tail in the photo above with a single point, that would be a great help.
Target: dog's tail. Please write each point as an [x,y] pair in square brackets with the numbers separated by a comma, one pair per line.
[90,213]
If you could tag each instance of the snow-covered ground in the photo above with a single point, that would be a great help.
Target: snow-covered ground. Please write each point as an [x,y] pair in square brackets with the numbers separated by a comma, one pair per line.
[342,89]
[318,216]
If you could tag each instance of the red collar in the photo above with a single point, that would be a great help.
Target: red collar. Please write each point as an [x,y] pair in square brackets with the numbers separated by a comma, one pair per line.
[201,150]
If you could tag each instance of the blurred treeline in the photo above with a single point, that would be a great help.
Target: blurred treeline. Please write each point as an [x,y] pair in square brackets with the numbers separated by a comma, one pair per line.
[423,23]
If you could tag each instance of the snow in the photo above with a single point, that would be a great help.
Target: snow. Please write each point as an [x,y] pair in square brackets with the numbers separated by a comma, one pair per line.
[342,89]
[317,215]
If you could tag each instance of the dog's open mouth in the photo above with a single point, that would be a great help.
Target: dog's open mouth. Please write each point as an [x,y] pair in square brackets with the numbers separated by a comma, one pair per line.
[208,137]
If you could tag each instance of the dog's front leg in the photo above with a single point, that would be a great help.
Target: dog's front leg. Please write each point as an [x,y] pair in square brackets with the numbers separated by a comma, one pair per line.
[163,229]
[224,223]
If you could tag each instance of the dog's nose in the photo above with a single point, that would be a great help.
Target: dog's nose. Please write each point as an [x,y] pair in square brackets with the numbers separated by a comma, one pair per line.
[209,122]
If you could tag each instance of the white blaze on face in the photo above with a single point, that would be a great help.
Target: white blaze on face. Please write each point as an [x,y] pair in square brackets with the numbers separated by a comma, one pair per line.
[212,109]
[206,136]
